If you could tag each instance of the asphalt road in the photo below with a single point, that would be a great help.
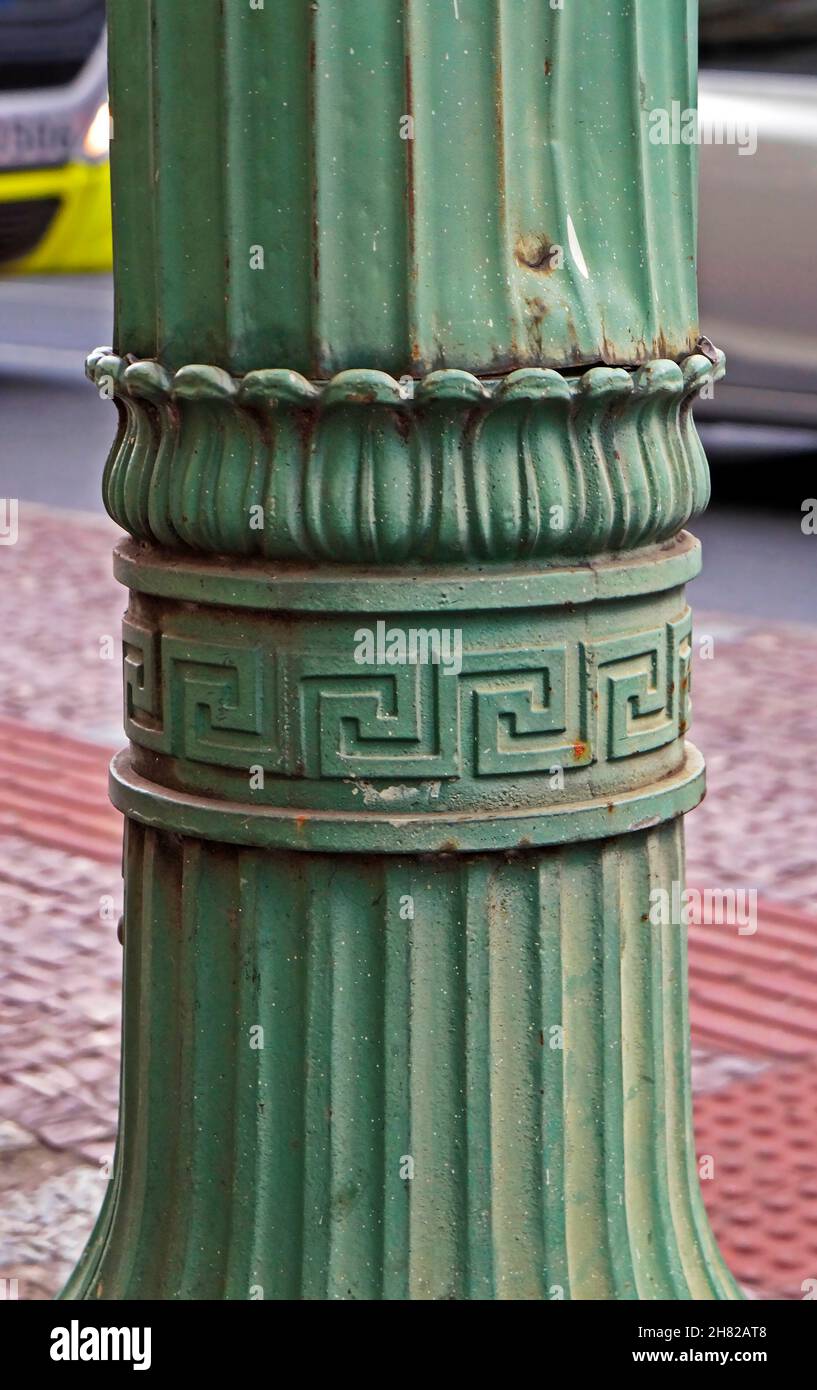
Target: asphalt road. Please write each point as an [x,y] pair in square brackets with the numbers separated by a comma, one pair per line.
[55,432]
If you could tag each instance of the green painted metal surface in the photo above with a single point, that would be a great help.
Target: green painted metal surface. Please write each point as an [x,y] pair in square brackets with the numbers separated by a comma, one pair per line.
[539,1171]
[362,471]
[406,664]
[282,128]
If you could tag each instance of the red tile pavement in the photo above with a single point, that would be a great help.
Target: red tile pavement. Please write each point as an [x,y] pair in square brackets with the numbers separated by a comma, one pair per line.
[762,1197]
[53,791]
[756,994]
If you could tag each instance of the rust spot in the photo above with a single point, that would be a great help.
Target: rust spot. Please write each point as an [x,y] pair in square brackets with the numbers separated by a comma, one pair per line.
[537,310]
[707,348]
[261,421]
[449,847]
[316,254]
[534,250]
[537,306]
[548,67]
[300,823]
[304,423]
[541,1038]
[645,916]
[610,808]
[609,354]
[344,1200]
[499,115]
[579,750]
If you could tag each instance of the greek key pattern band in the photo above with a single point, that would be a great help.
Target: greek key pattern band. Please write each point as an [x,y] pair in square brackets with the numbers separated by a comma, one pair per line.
[505,712]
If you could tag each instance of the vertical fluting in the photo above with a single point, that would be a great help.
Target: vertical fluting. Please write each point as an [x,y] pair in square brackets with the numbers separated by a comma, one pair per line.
[493,1103]
[282,130]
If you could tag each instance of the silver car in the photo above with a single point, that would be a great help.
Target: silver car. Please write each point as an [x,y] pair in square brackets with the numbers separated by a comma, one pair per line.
[758,209]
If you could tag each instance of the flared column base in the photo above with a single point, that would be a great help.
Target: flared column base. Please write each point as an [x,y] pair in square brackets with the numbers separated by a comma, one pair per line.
[403,1077]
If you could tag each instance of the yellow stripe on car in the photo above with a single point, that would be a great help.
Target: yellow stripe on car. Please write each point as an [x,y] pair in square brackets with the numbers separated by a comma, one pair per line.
[79,236]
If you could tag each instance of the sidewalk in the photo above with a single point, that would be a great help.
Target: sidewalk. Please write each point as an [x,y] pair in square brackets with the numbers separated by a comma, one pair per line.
[753,997]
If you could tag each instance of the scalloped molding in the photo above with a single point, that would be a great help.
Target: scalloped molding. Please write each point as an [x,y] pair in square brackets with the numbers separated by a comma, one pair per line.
[364,468]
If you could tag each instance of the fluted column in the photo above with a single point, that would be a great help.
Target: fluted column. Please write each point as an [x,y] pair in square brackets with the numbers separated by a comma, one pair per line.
[406,458]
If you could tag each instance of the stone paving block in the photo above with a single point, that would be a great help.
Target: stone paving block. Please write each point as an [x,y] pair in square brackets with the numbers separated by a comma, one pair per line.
[13,1137]
[44,1228]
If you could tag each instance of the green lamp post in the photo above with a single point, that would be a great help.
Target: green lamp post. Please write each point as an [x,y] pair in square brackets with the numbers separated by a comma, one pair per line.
[406,343]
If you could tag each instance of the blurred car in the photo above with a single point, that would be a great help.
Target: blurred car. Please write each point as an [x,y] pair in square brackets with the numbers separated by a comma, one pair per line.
[758,208]
[54,131]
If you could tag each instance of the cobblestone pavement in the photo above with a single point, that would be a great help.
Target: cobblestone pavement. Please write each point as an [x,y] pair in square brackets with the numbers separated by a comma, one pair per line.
[61,613]
[59,1056]
[755,718]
